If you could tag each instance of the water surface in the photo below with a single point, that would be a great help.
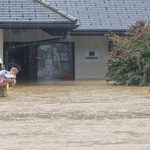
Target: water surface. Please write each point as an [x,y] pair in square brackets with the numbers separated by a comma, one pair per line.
[75,115]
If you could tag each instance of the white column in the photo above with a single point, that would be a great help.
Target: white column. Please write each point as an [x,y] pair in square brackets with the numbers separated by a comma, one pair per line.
[1,44]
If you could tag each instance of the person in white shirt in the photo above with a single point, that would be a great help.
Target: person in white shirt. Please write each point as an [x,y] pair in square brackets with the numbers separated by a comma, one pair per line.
[7,77]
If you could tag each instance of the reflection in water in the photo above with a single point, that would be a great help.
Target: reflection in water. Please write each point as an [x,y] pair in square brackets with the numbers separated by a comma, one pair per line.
[75,115]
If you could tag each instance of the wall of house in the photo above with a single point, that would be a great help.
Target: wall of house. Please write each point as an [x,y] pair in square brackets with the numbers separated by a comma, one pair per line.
[1,44]
[86,65]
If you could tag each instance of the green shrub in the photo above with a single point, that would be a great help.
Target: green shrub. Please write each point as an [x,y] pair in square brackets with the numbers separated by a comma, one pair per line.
[129,63]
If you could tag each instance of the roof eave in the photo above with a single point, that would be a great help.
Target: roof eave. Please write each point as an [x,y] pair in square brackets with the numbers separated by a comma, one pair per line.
[98,32]
[38,25]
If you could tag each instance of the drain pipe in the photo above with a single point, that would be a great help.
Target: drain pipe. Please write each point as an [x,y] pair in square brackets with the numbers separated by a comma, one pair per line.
[59,11]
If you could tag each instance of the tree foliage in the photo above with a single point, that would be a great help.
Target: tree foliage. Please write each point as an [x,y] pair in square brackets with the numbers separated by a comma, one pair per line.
[129,63]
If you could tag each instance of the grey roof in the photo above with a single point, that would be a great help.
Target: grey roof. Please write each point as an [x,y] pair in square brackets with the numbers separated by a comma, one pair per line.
[57,10]
[93,15]
[105,14]
[31,13]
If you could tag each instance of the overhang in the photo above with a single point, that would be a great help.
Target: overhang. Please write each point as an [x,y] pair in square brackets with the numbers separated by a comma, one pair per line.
[37,25]
[35,14]
[100,32]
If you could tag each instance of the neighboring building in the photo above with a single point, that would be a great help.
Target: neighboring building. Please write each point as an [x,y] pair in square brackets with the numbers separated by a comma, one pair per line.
[64,39]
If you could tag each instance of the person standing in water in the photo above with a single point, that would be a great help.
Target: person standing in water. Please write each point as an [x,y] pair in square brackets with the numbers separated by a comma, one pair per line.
[7,78]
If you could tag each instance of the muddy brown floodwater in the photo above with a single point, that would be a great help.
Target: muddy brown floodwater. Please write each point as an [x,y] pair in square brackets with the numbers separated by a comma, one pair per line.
[75,115]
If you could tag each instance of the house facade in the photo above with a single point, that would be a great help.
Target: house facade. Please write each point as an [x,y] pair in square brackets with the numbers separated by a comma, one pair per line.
[65,40]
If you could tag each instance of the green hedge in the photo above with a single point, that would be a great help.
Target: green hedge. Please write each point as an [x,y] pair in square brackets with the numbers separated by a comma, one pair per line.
[129,63]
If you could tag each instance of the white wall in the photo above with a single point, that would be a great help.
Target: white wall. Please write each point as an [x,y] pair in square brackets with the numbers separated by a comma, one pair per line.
[1,44]
[90,69]
[84,69]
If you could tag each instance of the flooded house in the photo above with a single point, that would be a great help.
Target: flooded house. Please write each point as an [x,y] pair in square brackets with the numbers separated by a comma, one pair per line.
[64,39]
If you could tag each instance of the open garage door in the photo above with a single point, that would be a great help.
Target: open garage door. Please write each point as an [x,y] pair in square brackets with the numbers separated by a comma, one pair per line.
[44,60]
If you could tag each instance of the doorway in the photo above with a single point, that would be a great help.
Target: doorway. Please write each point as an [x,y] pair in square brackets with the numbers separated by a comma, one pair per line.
[41,60]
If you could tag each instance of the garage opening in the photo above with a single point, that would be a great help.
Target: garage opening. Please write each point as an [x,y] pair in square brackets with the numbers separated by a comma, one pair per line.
[44,60]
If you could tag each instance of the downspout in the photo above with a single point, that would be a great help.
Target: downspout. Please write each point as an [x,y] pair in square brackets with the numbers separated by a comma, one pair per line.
[57,10]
